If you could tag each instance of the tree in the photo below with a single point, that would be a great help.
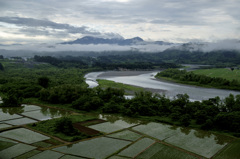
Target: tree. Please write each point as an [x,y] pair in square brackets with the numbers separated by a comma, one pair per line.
[43,81]
[11,100]
[64,125]
[1,67]
[185,120]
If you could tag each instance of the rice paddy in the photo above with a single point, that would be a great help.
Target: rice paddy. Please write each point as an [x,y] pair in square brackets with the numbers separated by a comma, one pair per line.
[136,148]
[24,135]
[96,148]
[159,150]
[121,139]
[126,135]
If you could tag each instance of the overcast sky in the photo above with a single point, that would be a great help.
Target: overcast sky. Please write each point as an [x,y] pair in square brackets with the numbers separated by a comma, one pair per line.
[52,21]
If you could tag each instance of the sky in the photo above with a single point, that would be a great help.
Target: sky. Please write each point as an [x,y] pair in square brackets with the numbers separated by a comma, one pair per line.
[179,21]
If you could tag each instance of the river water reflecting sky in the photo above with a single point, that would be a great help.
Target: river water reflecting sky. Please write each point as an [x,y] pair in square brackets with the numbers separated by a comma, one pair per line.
[147,80]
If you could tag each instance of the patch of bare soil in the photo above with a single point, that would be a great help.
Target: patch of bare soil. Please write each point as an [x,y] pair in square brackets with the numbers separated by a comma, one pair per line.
[85,130]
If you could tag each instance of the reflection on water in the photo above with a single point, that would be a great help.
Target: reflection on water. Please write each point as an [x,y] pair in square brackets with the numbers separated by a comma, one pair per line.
[13,110]
[113,118]
[53,112]
[147,80]
[43,111]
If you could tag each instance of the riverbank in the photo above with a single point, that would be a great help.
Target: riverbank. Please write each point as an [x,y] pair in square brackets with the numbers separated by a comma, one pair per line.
[146,80]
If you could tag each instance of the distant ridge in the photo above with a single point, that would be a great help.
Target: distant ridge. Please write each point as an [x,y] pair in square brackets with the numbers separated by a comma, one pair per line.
[95,40]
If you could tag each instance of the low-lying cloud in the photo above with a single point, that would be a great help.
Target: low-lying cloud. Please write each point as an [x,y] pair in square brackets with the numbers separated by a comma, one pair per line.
[91,47]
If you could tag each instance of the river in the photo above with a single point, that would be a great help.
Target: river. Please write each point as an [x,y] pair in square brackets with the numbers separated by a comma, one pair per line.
[146,79]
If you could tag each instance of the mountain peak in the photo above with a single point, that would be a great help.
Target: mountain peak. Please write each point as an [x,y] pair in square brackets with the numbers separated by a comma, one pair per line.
[137,38]
[86,40]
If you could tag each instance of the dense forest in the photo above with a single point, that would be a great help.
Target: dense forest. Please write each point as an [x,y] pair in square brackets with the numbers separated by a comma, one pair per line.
[112,62]
[136,60]
[219,58]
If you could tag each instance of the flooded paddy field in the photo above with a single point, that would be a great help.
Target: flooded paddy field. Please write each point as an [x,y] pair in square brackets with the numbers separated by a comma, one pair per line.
[122,137]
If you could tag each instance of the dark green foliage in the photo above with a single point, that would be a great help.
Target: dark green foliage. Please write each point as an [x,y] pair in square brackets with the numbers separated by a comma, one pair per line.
[136,61]
[185,120]
[62,94]
[87,103]
[1,67]
[191,78]
[43,81]
[64,125]
[23,90]
[228,121]
[11,100]
[112,107]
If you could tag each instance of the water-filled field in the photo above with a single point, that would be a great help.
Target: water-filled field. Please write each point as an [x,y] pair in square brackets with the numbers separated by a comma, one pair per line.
[94,148]
[109,127]
[202,143]
[24,135]
[126,135]
[12,116]
[123,138]
[159,150]
[136,148]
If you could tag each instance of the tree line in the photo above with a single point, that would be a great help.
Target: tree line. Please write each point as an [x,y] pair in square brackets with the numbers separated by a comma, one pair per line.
[203,80]
[111,62]
[211,114]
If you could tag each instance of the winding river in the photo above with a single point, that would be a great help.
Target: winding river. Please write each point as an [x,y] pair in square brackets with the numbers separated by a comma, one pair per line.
[146,79]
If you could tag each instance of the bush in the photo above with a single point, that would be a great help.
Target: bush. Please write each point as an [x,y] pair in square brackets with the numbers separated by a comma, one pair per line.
[64,125]
[43,81]
[11,100]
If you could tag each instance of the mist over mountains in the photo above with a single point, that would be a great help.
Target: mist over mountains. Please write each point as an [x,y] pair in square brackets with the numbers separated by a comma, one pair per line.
[117,41]
[95,46]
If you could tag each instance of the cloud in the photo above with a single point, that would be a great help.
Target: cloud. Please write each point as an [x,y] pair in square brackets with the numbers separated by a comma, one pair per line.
[91,47]
[185,19]
[35,27]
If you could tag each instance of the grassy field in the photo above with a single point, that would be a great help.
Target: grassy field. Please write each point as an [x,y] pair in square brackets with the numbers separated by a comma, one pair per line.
[231,151]
[220,72]
[128,88]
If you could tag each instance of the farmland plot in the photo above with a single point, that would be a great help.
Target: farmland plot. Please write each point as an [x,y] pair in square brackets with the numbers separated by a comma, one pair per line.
[94,148]
[199,142]
[24,135]
[136,148]
[18,149]
[231,151]
[109,127]
[159,150]
[47,154]
[156,130]
[127,135]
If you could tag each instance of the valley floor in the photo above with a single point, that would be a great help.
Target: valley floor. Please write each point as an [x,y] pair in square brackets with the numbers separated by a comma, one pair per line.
[121,138]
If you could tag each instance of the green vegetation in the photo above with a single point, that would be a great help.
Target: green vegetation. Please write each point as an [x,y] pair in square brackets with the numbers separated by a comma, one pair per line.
[225,73]
[5,144]
[110,62]
[182,76]
[65,87]
[159,150]
[28,154]
[62,127]
[230,151]
[128,88]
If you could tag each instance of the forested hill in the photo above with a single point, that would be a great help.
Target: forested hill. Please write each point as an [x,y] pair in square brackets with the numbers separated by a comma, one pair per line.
[221,57]
[132,60]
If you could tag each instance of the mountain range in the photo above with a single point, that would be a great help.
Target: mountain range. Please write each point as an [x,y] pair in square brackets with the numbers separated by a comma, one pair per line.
[118,41]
